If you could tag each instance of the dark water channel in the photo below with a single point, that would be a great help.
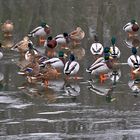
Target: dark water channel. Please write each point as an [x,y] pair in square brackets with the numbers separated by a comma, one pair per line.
[69,110]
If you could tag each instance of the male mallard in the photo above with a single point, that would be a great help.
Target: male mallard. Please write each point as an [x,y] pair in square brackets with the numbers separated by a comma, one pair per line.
[134,60]
[131,28]
[7,28]
[102,65]
[31,53]
[71,67]
[96,48]
[56,62]
[114,50]
[40,31]
[22,46]
[62,39]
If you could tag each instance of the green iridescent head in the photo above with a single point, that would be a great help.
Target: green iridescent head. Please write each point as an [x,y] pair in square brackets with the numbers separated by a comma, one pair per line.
[133,21]
[106,50]
[61,54]
[113,40]
[43,24]
[106,56]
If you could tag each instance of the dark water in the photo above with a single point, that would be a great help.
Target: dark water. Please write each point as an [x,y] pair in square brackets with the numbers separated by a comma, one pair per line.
[69,110]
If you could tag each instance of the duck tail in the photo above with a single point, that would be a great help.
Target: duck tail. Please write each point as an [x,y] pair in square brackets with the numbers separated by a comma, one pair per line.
[87,70]
[30,35]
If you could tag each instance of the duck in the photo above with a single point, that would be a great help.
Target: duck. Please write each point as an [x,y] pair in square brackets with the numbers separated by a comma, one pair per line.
[7,28]
[114,50]
[71,66]
[31,69]
[22,46]
[96,48]
[41,31]
[131,28]
[31,53]
[102,66]
[62,39]
[56,62]
[77,35]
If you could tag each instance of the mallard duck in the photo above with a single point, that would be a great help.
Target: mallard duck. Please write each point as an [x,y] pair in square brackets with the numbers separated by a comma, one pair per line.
[77,35]
[31,53]
[62,39]
[56,62]
[50,43]
[102,65]
[96,48]
[1,53]
[71,67]
[22,46]
[7,28]
[131,28]
[114,50]
[32,69]
[41,31]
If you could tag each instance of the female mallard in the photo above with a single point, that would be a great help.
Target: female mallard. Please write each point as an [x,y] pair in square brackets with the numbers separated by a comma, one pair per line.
[131,28]
[71,67]
[77,35]
[96,48]
[31,53]
[114,50]
[22,46]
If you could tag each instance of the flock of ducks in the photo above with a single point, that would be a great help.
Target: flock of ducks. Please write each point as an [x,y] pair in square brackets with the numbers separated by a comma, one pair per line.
[51,65]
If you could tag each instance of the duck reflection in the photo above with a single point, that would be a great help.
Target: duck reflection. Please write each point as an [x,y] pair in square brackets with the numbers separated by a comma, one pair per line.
[102,90]
[132,42]
[79,52]
[56,85]
[134,85]
[1,81]
[71,89]
[114,76]
[37,91]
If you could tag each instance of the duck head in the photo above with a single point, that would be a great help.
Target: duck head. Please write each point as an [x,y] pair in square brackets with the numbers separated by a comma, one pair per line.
[65,35]
[135,27]
[46,27]
[134,51]
[133,21]
[72,57]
